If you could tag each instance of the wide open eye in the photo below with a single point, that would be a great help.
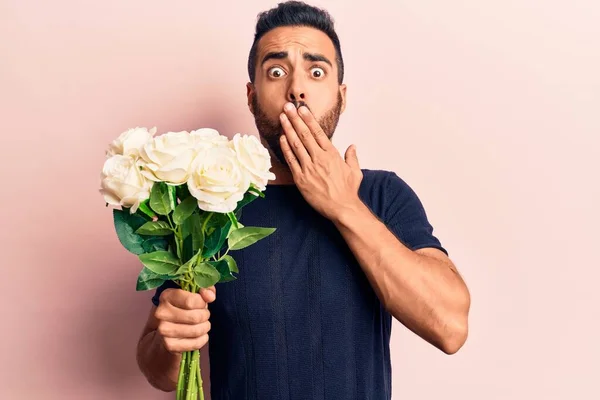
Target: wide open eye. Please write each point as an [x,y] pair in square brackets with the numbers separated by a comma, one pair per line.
[317,72]
[276,72]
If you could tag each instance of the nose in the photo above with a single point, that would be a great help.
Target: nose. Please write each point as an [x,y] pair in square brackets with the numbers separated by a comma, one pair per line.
[296,96]
[296,91]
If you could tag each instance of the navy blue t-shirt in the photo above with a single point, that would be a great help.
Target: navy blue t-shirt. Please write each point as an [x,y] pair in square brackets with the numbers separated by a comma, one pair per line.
[302,322]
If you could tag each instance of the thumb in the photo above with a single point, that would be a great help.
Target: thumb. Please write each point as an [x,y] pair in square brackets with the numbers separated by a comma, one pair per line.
[351,157]
[208,294]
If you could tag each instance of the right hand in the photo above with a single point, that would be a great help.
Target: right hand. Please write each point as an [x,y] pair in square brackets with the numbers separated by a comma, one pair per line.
[183,319]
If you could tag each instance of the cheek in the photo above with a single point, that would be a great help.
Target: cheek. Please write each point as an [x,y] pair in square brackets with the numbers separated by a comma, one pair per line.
[271,102]
[323,99]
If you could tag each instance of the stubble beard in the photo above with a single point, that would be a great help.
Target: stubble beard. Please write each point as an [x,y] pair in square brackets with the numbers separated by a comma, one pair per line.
[271,131]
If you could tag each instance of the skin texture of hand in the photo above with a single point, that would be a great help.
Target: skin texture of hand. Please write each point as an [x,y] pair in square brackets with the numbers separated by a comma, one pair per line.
[328,182]
[183,319]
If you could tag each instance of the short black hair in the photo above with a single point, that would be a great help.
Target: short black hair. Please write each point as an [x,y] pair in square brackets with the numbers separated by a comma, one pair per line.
[295,13]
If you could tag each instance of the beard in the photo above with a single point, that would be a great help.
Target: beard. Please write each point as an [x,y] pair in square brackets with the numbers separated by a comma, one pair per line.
[271,131]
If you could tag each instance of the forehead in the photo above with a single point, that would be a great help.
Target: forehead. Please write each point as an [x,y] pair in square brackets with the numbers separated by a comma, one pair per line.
[296,39]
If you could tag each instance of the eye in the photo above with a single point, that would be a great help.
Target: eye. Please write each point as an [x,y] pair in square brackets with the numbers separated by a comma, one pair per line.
[276,72]
[317,72]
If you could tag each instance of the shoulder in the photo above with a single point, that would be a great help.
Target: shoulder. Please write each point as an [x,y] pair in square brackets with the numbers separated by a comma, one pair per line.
[383,190]
[380,179]
[392,200]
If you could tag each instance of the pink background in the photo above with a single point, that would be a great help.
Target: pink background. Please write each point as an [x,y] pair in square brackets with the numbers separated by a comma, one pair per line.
[489,109]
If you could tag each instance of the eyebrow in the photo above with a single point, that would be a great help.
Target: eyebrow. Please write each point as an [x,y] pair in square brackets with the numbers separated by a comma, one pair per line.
[279,55]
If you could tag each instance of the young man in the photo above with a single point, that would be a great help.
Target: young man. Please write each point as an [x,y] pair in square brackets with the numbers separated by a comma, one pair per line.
[310,314]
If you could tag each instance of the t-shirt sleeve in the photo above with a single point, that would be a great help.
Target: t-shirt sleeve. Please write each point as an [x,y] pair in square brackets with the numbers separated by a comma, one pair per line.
[405,215]
[161,288]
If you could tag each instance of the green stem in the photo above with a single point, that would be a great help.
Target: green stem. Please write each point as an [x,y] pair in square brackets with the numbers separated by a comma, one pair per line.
[191,383]
[199,375]
[234,220]
[206,222]
[181,378]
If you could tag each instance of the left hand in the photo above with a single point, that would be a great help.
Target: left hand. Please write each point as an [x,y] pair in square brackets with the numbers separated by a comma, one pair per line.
[328,183]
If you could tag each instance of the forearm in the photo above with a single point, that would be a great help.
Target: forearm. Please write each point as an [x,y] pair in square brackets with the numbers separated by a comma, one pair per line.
[424,293]
[159,366]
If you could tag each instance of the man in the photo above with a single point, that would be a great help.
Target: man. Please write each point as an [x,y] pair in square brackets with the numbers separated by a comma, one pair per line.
[309,316]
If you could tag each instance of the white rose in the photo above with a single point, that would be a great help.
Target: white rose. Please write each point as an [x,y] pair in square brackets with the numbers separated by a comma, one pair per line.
[217,180]
[254,158]
[207,138]
[130,142]
[168,157]
[123,184]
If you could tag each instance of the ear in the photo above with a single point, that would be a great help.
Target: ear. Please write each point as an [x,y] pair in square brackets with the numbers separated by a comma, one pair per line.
[249,93]
[343,94]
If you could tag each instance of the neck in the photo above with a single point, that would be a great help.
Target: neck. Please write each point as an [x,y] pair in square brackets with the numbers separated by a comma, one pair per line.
[283,175]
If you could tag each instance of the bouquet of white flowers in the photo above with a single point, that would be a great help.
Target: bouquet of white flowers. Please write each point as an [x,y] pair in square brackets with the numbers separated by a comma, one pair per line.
[180,197]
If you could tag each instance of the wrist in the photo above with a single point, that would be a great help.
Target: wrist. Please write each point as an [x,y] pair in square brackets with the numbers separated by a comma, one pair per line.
[350,213]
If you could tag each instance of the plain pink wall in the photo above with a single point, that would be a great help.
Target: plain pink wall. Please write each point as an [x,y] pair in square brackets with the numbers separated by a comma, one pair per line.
[489,109]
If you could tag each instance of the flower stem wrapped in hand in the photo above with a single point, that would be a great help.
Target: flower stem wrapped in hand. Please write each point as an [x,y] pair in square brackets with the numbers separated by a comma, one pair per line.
[180,196]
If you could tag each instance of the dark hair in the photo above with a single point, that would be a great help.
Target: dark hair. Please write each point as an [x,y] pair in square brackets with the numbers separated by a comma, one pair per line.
[295,13]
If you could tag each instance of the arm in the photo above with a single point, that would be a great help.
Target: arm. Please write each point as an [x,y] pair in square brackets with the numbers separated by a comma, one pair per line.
[180,323]
[159,366]
[422,289]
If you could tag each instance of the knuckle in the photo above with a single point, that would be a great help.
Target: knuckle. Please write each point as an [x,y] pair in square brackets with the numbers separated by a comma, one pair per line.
[201,341]
[205,328]
[297,144]
[166,294]
[201,329]
[196,317]
[189,302]
[169,345]
[204,315]
[160,313]
[290,156]
[163,329]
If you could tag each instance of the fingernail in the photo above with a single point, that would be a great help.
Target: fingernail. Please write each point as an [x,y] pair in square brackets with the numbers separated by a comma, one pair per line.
[303,110]
[289,107]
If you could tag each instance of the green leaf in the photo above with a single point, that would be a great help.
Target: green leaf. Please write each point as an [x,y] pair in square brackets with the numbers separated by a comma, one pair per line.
[160,262]
[224,272]
[246,236]
[186,227]
[216,219]
[184,210]
[205,275]
[233,228]
[248,198]
[182,192]
[155,243]
[155,228]
[188,248]
[125,225]
[187,267]
[197,235]
[215,241]
[159,199]
[231,263]
[148,280]
[146,210]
